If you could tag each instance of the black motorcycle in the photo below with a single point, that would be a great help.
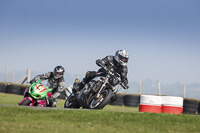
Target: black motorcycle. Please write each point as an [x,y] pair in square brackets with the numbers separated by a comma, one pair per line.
[97,93]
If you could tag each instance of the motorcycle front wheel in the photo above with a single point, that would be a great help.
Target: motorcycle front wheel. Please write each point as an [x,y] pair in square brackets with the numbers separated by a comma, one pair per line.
[102,101]
[25,102]
[71,102]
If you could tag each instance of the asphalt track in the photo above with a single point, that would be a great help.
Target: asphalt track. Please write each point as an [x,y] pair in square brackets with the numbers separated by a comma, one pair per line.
[53,108]
[45,108]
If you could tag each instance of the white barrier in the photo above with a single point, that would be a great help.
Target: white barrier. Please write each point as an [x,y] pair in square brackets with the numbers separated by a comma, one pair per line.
[172,104]
[150,103]
[161,104]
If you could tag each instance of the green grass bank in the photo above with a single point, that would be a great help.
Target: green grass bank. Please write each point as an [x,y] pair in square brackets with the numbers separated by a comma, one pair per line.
[111,119]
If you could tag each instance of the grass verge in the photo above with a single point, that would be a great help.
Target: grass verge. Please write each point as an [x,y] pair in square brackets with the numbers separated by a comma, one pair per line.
[111,119]
[21,119]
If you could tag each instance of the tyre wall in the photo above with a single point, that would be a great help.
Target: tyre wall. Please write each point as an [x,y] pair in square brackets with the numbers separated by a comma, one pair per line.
[2,88]
[119,100]
[13,89]
[190,106]
[131,100]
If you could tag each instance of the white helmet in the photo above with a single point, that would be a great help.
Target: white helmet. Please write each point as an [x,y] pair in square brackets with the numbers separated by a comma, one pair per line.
[122,57]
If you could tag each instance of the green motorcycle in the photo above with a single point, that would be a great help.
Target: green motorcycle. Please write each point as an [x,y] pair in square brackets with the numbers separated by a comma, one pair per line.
[36,95]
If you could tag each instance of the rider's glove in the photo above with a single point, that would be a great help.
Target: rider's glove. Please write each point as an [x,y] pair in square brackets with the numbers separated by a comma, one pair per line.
[127,86]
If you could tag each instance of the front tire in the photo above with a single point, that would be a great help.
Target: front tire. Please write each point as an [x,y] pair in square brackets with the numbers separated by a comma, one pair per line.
[25,102]
[100,103]
[71,102]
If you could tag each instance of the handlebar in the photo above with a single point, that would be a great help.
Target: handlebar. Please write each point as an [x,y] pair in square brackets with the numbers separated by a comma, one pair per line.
[117,74]
[106,69]
[103,67]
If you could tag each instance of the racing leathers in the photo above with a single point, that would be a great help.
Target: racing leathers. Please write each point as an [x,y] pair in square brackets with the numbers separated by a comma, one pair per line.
[111,64]
[52,82]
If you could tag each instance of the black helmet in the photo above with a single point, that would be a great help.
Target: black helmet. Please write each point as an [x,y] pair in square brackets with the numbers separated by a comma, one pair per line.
[122,57]
[58,72]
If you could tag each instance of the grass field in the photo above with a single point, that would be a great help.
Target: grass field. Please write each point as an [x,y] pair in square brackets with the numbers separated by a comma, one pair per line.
[111,119]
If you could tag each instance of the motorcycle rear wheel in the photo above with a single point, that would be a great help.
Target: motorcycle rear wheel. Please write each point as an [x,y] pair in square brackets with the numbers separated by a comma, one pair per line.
[100,103]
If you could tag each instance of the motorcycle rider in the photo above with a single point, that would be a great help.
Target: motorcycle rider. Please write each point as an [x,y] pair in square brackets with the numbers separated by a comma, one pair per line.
[55,80]
[117,63]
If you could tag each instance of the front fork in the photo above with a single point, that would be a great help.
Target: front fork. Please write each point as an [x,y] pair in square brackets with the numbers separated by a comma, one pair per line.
[115,89]
[98,94]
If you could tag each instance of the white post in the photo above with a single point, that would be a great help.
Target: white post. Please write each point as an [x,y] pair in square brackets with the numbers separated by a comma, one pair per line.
[5,74]
[28,76]
[13,76]
[159,87]
[140,86]
[184,94]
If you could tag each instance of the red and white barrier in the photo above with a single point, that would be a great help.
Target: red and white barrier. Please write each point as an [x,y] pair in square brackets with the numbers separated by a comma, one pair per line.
[150,103]
[172,105]
[161,104]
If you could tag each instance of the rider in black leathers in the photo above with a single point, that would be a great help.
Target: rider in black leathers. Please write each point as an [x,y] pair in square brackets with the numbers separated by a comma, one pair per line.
[55,81]
[117,63]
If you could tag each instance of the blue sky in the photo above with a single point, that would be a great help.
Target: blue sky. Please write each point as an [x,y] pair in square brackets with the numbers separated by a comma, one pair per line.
[161,36]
